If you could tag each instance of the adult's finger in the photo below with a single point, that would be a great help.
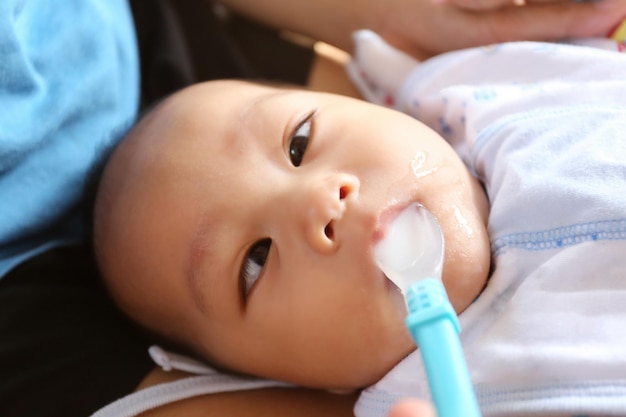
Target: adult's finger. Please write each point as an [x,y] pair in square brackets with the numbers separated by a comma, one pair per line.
[412,408]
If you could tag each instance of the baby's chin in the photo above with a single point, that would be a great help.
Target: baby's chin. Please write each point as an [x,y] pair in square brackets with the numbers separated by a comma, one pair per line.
[348,375]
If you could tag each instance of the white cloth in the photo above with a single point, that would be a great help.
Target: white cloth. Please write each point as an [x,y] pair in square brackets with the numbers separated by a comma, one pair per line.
[543,126]
[208,381]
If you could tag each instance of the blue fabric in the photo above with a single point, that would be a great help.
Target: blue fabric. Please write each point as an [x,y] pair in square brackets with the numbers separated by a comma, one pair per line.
[69,88]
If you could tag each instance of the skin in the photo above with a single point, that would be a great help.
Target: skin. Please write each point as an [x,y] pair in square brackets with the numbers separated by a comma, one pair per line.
[268,402]
[208,175]
[428,27]
[495,4]
[412,408]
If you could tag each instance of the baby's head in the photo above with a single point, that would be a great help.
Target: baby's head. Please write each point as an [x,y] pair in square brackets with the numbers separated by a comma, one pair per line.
[239,220]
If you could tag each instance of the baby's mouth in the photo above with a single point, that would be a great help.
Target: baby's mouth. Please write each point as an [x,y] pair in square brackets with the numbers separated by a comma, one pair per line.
[384,222]
[410,247]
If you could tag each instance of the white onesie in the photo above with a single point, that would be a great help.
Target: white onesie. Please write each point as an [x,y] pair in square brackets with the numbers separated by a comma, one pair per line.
[543,126]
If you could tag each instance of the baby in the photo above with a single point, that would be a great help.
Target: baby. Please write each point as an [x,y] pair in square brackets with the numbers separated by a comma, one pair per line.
[238,221]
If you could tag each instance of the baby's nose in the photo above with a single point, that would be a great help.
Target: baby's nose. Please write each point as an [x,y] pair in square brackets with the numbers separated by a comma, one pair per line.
[326,205]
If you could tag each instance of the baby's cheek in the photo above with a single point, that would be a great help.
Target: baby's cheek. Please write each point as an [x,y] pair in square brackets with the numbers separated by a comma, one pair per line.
[466,266]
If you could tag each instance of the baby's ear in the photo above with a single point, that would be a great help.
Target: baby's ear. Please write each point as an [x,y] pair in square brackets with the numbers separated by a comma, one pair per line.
[377,69]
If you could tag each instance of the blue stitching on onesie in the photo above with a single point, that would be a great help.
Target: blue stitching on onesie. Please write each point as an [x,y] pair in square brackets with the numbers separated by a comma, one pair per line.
[561,236]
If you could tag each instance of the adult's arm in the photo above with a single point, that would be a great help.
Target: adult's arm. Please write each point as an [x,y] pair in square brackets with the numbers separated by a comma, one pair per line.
[428,27]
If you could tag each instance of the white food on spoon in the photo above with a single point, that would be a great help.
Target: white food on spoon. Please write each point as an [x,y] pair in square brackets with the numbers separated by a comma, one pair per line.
[412,248]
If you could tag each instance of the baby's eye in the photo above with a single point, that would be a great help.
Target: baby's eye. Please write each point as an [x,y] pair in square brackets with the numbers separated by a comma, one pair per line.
[253,263]
[299,142]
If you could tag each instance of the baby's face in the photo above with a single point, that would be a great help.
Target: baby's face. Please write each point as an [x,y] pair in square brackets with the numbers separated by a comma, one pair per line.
[253,216]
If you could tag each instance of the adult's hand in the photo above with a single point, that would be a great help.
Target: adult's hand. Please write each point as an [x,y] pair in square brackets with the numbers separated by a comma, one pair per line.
[429,27]
[446,26]
[412,408]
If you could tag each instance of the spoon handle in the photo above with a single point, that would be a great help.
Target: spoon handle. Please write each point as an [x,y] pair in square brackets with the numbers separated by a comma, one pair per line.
[434,327]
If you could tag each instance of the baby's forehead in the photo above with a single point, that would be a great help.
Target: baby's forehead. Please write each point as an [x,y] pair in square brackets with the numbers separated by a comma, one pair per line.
[217,91]
[219,108]
[206,119]
[208,104]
